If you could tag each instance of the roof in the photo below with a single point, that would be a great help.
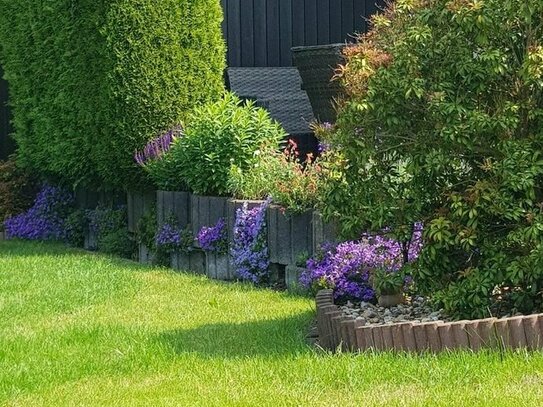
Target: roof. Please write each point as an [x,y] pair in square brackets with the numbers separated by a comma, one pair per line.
[278,90]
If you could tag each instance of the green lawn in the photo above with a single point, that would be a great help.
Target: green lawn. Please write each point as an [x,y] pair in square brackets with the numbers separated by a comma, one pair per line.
[84,329]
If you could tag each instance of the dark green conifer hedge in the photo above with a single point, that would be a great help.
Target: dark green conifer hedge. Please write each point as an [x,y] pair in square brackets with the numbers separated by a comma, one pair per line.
[92,80]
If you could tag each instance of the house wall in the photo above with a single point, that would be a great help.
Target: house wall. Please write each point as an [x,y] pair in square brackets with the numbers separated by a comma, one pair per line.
[262,32]
[6,144]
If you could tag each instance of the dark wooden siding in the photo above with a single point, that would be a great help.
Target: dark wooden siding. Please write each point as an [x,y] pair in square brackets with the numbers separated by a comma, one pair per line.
[6,144]
[262,32]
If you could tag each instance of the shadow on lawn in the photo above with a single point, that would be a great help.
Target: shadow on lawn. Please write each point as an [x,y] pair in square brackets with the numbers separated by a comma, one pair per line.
[259,338]
[31,249]
[34,248]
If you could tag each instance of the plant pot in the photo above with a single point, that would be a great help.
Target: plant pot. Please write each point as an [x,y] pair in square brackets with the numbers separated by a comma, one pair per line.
[173,203]
[193,261]
[219,266]
[288,235]
[390,300]
[138,203]
[317,65]
[206,211]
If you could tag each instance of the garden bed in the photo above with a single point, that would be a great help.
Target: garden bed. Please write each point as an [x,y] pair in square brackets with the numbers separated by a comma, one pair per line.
[337,329]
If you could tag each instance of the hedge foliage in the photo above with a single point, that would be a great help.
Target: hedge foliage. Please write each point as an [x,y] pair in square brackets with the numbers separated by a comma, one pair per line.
[443,123]
[17,190]
[91,81]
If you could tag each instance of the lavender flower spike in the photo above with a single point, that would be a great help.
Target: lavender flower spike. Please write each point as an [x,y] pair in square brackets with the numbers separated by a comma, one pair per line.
[158,146]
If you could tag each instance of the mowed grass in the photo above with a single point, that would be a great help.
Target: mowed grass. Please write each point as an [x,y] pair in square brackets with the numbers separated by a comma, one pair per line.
[84,329]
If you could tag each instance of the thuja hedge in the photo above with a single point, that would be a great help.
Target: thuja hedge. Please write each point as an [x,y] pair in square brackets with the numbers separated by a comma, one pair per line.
[93,80]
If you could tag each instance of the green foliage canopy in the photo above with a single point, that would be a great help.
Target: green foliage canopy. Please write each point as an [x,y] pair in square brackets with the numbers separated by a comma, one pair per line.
[91,81]
[443,123]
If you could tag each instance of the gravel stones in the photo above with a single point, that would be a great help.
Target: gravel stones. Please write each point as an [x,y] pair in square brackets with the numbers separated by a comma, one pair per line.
[415,309]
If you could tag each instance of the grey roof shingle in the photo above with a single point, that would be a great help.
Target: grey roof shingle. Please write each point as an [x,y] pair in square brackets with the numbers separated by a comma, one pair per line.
[278,90]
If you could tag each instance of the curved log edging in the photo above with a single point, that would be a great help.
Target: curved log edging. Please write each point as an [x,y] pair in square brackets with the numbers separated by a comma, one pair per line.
[337,330]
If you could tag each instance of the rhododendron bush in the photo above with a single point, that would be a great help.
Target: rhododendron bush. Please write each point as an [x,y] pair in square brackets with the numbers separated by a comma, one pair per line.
[442,122]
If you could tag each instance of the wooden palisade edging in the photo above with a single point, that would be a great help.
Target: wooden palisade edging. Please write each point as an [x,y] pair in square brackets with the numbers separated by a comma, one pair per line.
[337,331]
[288,236]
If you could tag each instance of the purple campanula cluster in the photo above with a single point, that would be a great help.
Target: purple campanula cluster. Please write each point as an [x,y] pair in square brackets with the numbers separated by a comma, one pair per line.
[347,267]
[168,237]
[249,249]
[157,146]
[214,238]
[45,219]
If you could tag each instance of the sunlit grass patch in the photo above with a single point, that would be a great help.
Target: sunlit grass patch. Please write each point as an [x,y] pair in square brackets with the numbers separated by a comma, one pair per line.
[86,329]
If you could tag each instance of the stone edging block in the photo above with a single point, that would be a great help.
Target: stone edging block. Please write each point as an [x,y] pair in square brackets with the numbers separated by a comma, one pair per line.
[337,330]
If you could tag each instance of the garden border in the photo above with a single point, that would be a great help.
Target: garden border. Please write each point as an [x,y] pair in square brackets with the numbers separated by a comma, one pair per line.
[338,331]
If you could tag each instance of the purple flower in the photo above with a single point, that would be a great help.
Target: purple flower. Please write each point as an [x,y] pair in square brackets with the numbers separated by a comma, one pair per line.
[249,249]
[347,268]
[45,219]
[323,147]
[214,238]
[157,146]
[168,237]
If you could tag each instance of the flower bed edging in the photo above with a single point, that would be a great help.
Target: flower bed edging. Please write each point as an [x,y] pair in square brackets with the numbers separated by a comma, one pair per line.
[90,240]
[206,211]
[292,276]
[194,261]
[323,232]
[138,203]
[176,203]
[145,255]
[338,330]
[219,266]
[288,235]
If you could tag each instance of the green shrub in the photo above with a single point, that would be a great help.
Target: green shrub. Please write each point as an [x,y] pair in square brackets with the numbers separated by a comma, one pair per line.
[118,243]
[217,136]
[162,169]
[91,81]
[281,175]
[74,228]
[146,228]
[17,190]
[443,123]
[111,228]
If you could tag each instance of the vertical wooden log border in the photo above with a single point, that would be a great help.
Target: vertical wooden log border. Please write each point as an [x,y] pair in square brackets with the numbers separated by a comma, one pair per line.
[345,333]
